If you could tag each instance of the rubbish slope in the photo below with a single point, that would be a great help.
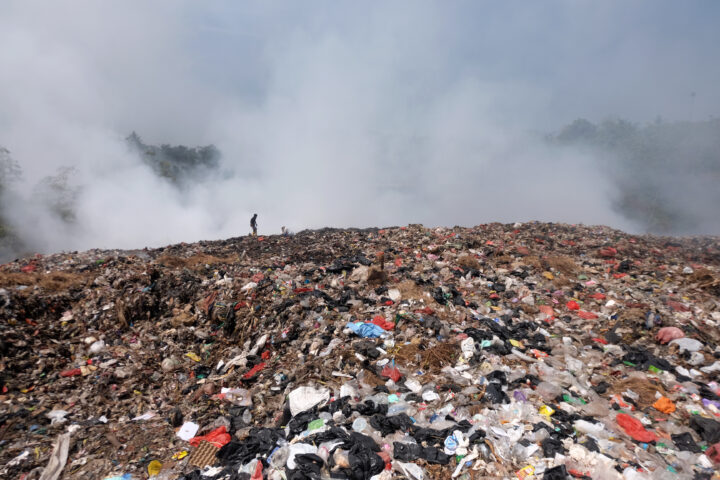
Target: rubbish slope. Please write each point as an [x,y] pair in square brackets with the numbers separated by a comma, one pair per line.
[505,351]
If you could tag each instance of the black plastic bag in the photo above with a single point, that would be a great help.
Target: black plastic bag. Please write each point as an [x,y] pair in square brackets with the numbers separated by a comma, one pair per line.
[388,425]
[551,446]
[707,428]
[556,473]
[685,442]
[495,394]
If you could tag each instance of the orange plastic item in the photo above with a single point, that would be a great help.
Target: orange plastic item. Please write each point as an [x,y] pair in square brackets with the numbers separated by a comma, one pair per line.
[664,405]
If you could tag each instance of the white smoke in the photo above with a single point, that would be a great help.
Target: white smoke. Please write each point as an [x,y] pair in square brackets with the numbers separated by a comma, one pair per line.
[325,115]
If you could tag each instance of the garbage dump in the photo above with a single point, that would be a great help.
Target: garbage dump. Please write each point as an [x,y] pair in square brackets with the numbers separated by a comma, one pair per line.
[523,351]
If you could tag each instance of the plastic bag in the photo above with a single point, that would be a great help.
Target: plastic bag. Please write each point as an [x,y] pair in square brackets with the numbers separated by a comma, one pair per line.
[390,371]
[635,428]
[218,437]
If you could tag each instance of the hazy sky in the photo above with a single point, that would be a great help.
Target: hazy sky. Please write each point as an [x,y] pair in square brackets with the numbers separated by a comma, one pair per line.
[338,113]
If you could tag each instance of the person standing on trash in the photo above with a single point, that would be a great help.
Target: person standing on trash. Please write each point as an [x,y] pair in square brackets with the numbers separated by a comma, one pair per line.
[253,224]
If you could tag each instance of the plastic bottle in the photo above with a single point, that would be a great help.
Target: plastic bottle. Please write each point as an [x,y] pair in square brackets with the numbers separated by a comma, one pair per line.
[548,391]
[360,424]
[278,458]
[398,407]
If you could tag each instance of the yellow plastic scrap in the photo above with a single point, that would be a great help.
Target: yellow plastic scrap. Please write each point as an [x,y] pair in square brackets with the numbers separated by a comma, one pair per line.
[517,344]
[180,455]
[525,472]
[548,275]
[545,410]
[154,468]
[192,356]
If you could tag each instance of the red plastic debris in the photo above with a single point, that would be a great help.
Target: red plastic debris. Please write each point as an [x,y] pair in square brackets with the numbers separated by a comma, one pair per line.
[386,458]
[302,290]
[600,340]
[382,323]
[635,428]
[608,252]
[598,296]
[71,373]
[713,453]
[29,268]
[677,306]
[254,371]
[390,371]
[398,262]
[587,315]
[218,437]
[258,475]
[572,305]
[578,474]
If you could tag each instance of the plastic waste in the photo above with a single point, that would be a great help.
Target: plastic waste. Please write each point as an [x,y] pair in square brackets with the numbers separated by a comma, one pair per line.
[97,347]
[218,437]
[58,458]
[664,405]
[687,344]
[57,416]
[298,449]
[390,371]
[188,431]
[667,334]
[154,468]
[366,330]
[635,428]
[305,398]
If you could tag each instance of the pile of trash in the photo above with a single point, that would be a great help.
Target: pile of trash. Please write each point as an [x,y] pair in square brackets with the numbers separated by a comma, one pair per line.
[499,351]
